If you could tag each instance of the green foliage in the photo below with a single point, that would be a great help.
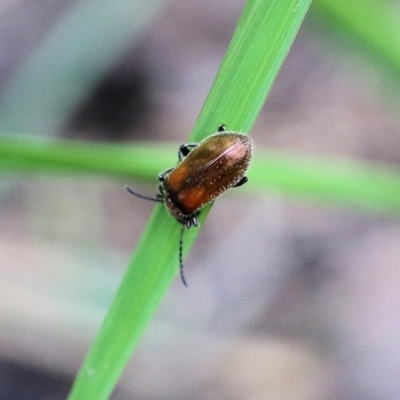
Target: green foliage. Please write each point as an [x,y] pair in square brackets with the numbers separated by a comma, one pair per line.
[373,187]
[262,39]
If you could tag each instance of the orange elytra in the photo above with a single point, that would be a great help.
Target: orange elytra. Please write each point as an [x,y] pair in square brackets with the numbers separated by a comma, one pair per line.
[205,170]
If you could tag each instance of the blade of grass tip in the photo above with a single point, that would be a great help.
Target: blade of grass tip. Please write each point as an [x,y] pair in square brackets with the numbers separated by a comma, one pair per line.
[261,41]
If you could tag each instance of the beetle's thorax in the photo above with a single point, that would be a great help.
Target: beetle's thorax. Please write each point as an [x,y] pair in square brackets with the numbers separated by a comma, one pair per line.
[175,210]
[189,220]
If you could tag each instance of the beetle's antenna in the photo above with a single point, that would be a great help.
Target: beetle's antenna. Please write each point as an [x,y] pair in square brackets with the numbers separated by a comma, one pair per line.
[180,256]
[158,200]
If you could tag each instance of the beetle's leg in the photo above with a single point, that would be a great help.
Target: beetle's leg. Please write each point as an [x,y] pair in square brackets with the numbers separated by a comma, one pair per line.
[189,222]
[242,181]
[185,149]
[161,192]
[161,175]
[192,221]
[222,128]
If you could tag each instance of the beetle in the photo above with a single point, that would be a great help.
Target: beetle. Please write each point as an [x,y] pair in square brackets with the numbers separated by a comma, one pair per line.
[205,170]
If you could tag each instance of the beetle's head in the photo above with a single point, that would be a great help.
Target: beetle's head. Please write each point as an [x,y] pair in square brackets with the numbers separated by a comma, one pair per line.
[188,220]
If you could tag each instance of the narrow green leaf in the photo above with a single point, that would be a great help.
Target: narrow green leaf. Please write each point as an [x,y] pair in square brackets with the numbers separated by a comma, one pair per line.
[261,41]
[30,155]
[370,186]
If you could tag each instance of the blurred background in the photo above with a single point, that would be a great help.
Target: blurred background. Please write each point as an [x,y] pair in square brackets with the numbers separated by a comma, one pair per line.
[288,299]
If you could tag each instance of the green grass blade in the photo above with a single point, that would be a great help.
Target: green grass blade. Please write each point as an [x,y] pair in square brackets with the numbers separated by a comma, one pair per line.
[371,24]
[259,46]
[30,155]
[369,186]
[261,41]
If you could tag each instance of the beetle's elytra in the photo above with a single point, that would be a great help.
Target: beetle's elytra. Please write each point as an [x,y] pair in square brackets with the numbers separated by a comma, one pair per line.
[205,170]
